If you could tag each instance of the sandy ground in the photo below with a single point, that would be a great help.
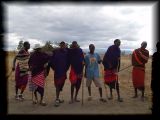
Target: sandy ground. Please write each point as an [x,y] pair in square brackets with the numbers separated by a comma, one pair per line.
[113,107]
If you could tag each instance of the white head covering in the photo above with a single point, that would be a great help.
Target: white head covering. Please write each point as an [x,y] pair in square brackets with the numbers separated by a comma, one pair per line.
[36,46]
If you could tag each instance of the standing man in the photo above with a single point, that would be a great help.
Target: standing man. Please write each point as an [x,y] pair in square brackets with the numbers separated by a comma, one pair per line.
[111,63]
[140,57]
[59,64]
[38,62]
[21,74]
[155,82]
[76,59]
[92,71]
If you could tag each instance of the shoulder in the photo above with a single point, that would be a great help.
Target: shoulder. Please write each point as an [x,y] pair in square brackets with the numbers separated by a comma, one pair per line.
[87,55]
[56,50]
[96,54]
[110,47]
[21,51]
[80,49]
[146,51]
[156,54]
[44,54]
[138,49]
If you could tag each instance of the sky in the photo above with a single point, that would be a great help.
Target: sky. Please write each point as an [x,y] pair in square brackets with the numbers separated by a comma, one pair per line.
[99,24]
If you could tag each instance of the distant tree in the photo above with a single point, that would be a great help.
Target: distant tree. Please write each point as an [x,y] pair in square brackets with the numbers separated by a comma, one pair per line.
[67,45]
[48,48]
[56,43]
[20,45]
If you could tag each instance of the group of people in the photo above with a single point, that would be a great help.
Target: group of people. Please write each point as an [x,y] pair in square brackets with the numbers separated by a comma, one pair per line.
[37,65]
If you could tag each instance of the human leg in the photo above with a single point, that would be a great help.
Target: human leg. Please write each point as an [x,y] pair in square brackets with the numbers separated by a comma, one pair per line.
[118,92]
[135,92]
[78,84]
[72,92]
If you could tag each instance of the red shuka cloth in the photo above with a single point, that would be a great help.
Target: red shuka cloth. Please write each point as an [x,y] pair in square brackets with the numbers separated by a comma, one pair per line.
[110,76]
[39,79]
[138,75]
[21,81]
[73,77]
[60,81]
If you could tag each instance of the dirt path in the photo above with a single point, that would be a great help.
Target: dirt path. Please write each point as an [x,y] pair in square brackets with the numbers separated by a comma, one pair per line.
[129,106]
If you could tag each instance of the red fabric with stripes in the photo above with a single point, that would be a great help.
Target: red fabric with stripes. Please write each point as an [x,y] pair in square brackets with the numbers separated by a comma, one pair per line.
[138,75]
[39,79]
[110,76]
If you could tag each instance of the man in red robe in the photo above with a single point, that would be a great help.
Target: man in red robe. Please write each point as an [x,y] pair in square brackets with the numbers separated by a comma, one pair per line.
[140,57]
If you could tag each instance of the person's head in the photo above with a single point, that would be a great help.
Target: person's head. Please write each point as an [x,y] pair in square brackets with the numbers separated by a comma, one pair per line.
[117,42]
[62,45]
[144,44]
[26,45]
[37,47]
[91,48]
[74,44]
[158,46]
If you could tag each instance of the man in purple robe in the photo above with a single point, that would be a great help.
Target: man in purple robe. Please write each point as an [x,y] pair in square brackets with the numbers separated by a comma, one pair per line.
[38,62]
[59,64]
[111,63]
[76,59]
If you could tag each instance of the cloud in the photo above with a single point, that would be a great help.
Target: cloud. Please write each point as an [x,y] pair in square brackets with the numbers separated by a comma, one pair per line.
[84,23]
[12,41]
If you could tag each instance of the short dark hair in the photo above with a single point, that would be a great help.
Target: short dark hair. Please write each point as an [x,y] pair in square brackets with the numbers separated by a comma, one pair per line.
[116,40]
[158,45]
[62,42]
[74,42]
[91,45]
[25,43]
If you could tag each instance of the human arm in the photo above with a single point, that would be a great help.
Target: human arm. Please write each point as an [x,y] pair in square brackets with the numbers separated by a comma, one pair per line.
[99,59]
[14,62]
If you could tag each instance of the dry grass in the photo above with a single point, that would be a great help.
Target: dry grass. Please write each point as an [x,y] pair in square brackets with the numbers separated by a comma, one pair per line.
[129,106]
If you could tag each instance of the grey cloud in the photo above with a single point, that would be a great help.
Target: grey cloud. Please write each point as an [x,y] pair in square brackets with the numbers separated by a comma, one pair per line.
[126,11]
[70,24]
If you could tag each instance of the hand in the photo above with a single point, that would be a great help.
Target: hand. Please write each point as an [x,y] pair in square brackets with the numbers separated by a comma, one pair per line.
[99,62]
[45,65]
[13,68]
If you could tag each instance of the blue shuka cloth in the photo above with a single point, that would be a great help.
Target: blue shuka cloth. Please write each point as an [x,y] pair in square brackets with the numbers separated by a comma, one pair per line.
[111,57]
[76,59]
[37,61]
[59,62]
